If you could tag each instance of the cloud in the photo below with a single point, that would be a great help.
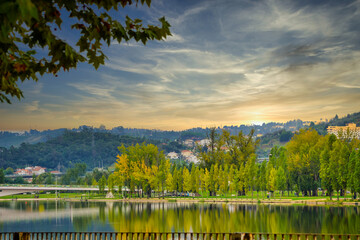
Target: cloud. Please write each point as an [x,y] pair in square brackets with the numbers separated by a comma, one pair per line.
[31,107]
[175,38]
[227,62]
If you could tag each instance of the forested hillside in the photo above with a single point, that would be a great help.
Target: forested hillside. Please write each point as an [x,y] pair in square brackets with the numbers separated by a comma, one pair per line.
[8,139]
[270,140]
[93,148]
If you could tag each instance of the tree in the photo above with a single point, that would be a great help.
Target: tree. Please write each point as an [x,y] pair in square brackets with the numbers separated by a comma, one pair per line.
[37,24]
[122,170]
[111,183]
[224,179]
[352,178]
[357,172]
[250,174]
[94,182]
[343,168]
[325,171]
[272,180]
[205,182]
[72,174]
[205,177]
[174,180]
[164,169]
[194,175]
[102,184]
[44,178]
[280,181]
[187,180]
[2,176]
[9,171]
[335,155]
[169,182]
[262,178]
[303,160]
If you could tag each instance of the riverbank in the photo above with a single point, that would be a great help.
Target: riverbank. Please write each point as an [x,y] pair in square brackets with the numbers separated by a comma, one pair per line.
[284,201]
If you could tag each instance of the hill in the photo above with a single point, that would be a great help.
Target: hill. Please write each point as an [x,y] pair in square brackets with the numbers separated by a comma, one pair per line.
[321,128]
[93,148]
[270,140]
[8,139]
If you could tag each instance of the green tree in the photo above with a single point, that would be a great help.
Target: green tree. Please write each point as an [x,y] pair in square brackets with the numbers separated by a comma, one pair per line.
[187,180]
[335,155]
[303,160]
[29,25]
[357,172]
[44,178]
[325,171]
[250,174]
[169,182]
[9,171]
[174,183]
[224,179]
[194,175]
[94,182]
[262,178]
[352,178]
[2,176]
[205,181]
[280,180]
[164,169]
[102,184]
[111,183]
[272,180]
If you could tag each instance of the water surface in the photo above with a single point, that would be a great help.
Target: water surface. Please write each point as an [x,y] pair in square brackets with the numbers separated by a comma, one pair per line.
[43,216]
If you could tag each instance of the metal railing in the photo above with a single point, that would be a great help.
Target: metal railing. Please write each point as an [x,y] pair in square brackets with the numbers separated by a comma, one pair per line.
[171,236]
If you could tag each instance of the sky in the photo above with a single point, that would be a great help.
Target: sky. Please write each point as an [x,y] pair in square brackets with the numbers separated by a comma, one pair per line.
[229,62]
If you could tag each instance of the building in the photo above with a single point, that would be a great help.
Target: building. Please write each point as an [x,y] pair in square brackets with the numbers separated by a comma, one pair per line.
[186,153]
[173,155]
[189,143]
[348,131]
[192,159]
[30,171]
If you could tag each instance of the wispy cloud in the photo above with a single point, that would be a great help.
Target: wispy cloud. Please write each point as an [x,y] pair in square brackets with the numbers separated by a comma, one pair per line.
[228,62]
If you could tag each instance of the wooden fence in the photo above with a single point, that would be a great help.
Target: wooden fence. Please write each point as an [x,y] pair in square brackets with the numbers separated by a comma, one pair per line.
[171,236]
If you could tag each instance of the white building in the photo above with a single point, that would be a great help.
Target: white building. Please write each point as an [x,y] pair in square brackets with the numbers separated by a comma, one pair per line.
[173,155]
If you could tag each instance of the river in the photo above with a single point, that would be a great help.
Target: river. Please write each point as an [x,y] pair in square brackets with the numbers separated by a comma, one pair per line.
[44,216]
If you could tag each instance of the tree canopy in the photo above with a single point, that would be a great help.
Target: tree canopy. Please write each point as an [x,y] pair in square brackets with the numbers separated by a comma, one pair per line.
[28,25]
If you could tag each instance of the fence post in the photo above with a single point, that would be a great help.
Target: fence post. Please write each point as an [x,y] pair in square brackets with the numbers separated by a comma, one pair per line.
[21,236]
[235,236]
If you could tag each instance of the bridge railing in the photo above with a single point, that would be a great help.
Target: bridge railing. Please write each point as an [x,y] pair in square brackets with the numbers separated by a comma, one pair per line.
[171,236]
[61,186]
[47,185]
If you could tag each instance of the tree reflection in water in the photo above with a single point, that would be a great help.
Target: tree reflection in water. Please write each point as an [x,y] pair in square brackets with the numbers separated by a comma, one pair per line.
[183,217]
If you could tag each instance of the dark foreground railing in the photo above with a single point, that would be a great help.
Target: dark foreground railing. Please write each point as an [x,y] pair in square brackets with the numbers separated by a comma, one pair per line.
[171,236]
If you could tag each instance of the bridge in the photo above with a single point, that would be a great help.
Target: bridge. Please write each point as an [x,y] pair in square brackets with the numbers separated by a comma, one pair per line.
[7,190]
[13,176]
[171,236]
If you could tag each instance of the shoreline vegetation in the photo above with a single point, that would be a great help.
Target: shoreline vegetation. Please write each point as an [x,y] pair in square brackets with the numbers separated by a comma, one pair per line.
[306,201]
[309,167]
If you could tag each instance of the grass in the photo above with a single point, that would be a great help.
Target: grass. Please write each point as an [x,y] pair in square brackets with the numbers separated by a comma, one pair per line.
[204,197]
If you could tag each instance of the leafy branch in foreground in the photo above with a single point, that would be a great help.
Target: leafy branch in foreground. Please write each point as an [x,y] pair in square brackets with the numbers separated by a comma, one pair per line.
[26,25]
